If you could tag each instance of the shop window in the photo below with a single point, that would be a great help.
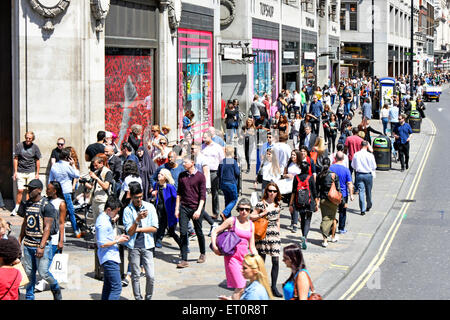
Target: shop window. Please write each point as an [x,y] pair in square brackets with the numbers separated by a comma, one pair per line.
[195,78]
[128,90]
[343,16]
[265,67]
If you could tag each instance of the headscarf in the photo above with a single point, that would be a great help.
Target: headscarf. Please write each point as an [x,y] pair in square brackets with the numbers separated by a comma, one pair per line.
[147,168]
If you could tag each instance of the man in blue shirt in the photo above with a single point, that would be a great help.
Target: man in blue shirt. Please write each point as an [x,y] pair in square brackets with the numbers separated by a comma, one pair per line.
[316,109]
[108,250]
[141,222]
[402,136]
[127,152]
[216,138]
[345,180]
[175,167]
[64,171]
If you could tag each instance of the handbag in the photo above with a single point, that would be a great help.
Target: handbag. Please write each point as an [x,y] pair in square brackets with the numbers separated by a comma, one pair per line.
[259,177]
[334,195]
[227,241]
[261,228]
[21,269]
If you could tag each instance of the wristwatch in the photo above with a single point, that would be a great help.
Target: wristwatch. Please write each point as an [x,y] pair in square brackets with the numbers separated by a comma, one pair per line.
[41,247]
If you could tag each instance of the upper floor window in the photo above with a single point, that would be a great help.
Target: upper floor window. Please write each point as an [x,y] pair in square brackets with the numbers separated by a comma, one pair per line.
[349,16]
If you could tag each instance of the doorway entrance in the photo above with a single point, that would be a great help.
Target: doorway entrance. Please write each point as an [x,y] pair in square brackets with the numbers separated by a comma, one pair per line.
[6,121]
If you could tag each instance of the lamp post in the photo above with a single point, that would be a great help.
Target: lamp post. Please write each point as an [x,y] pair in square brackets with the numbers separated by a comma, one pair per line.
[372,91]
[411,57]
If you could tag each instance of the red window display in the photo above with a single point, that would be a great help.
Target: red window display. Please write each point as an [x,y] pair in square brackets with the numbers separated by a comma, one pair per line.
[128,90]
[195,78]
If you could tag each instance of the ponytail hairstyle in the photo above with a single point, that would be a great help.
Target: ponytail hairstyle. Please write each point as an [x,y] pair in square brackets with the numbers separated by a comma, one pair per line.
[58,189]
[325,168]
[257,263]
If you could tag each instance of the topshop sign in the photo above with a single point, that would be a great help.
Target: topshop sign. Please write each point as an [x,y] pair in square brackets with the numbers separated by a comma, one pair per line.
[266,10]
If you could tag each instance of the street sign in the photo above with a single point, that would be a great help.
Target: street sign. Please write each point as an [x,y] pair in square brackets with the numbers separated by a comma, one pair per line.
[409,53]
[232,53]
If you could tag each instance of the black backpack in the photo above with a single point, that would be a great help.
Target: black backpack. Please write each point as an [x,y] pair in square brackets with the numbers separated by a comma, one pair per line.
[303,199]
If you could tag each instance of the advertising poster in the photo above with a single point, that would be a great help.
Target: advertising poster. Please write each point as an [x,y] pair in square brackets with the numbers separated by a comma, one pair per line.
[128,92]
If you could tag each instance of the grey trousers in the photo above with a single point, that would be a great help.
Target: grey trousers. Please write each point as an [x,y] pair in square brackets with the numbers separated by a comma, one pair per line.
[135,258]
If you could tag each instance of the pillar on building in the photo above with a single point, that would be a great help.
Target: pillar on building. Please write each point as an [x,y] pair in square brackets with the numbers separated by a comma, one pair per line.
[59,86]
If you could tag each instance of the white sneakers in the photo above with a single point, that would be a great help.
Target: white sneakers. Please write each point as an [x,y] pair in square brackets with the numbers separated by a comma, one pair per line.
[14,212]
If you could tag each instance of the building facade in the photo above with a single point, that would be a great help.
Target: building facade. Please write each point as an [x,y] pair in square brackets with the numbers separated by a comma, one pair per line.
[392,37]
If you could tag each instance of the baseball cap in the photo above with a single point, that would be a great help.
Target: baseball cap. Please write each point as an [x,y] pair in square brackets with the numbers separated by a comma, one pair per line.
[35,184]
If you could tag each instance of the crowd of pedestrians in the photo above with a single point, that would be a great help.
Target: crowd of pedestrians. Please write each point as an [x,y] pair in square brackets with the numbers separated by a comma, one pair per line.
[306,145]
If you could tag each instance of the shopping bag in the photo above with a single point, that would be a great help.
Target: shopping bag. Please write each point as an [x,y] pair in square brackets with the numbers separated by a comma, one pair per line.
[25,279]
[59,267]
[254,198]
[285,185]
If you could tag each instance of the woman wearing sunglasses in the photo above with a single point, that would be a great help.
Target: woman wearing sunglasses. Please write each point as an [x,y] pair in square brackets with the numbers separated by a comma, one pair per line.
[270,207]
[244,228]
[162,156]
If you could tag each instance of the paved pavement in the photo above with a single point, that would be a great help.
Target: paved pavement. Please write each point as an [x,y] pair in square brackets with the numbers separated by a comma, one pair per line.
[328,266]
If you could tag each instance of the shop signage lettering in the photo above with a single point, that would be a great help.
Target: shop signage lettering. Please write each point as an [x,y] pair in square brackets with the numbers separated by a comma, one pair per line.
[289,55]
[195,69]
[266,10]
[309,22]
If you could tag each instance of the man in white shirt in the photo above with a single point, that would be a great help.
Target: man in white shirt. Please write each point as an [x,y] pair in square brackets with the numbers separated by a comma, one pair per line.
[282,151]
[214,155]
[364,165]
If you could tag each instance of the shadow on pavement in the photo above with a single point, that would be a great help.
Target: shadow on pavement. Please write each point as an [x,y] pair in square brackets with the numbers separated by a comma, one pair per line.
[201,291]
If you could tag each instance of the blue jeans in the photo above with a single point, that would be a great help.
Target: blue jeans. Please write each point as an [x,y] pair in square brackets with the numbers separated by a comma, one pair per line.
[347,108]
[303,110]
[112,282]
[385,122]
[258,159]
[333,98]
[32,264]
[144,257]
[364,182]
[231,197]
[71,211]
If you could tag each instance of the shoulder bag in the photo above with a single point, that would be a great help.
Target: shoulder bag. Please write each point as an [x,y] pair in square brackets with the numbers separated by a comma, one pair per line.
[261,227]
[227,241]
[334,195]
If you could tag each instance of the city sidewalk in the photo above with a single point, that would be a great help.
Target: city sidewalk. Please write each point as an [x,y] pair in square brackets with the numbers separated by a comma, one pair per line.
[206,281]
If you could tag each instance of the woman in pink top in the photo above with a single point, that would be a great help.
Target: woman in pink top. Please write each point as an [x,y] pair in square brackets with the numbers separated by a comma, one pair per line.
[244,228]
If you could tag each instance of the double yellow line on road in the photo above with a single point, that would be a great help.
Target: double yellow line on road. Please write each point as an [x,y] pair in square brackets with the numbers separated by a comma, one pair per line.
[387,241]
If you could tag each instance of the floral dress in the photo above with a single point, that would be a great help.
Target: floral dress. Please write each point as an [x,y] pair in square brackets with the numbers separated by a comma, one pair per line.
[271,244]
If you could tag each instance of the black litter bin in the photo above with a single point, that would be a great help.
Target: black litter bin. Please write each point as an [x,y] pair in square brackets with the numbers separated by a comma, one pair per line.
[382,152]
[415,121]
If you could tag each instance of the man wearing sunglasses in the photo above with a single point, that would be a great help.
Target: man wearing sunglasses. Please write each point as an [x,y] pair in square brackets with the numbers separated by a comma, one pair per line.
[57,151]
[39,223]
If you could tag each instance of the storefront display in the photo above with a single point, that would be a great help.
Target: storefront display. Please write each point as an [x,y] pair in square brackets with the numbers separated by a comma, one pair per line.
[195,82]
[128,90]
[309,58]
[265,67]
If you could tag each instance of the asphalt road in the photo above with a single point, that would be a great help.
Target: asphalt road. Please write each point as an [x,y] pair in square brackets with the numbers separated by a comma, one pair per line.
[416,265]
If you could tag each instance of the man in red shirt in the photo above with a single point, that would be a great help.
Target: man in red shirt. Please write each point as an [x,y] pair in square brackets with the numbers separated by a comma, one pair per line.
[352,145]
